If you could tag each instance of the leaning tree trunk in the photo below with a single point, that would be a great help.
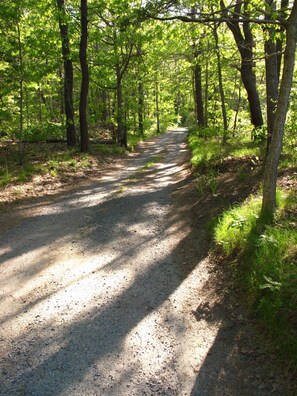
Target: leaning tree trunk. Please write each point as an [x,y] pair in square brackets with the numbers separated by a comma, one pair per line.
[244,42]
[279,40]
[272,74]
[274,151]
[84,135]
[68,75]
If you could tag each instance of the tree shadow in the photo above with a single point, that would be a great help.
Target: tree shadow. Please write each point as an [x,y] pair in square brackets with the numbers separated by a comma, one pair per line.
[56,362]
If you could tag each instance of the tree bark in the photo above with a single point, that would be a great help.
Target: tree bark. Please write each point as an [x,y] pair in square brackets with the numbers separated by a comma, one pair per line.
[140,108]
[198,96]
[274,151]
[244,42]
[157,106]
[221,87]
[272,74]
[237,107]
[206,88]
[21,98]
[84,135]
[68,75]
[122,132]
[279,41]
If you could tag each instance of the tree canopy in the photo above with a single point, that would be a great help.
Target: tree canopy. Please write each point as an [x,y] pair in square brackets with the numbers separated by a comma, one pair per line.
[70,68]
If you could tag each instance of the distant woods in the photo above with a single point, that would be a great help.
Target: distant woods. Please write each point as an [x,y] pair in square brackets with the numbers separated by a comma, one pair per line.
[72,69]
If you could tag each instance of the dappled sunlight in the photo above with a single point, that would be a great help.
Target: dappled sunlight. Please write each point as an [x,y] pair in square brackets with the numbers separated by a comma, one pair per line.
[99,290]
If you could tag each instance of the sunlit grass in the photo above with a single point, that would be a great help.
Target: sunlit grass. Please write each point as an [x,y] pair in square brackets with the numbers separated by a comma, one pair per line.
[108,149]
[206,151]
[236,224]
[263,257]
[268,265]
[151,163]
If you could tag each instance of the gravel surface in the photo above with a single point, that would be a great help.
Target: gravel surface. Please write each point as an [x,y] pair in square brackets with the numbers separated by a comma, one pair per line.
[109,289]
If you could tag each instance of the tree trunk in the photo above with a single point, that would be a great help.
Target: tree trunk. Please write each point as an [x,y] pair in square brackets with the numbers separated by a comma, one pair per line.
[279,40]
[157,106]
[21,93]
[206,87]
[140,108]
[244,42]
[84,135]
[198,96]
[274,151]
[237,108]
[121,134]
[271,67]
[105,113]
[68,75]
[221,87]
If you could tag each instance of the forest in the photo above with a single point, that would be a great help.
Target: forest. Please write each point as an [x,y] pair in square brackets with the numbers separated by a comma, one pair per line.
[83,79]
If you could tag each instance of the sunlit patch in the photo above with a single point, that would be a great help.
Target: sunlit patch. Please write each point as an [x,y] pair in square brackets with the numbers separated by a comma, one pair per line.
[109,293]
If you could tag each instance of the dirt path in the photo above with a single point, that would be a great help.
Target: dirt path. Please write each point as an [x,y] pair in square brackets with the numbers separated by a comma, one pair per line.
[110,290]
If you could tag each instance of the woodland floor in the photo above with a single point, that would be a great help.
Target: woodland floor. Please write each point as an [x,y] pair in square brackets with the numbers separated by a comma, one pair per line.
[110,287]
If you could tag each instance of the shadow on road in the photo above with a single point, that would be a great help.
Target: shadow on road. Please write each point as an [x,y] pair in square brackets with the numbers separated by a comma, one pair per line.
[95,226]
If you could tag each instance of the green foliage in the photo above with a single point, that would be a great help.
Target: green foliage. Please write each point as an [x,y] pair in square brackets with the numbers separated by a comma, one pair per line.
[269,273]
[151,163]
[19,175]
[5,177]
[42,132]
[235,226]
[207,149]
[113,149]
[289,154]
[207,181]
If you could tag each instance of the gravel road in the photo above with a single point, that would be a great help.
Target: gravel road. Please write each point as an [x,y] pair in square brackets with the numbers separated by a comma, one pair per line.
[109,289]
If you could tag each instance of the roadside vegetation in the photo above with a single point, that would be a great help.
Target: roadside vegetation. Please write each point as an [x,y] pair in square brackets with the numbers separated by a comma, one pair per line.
[49,165]
[261,255]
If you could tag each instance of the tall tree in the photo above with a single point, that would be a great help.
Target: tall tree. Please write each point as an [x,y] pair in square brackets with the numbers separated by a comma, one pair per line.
[275,147]
[83,121]
[221,87]
[245,43]
[68,75]
[273,58]
[21,92]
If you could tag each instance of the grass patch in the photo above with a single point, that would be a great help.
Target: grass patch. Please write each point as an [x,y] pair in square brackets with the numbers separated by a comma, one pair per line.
[51,159]
[267,267]
[108,149]
[209,151]
[235,225]
[264,257]
[151,163]
[121,190]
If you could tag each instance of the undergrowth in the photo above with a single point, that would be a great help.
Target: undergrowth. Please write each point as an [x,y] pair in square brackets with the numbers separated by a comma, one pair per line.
[267,267]
[42,158]
[207,150]
[264,257]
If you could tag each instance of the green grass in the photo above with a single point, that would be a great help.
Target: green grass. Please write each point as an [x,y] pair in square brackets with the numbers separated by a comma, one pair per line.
[5,177]
[235,225]
[108,149]
[19,175]
[267,267]
[151,163]
[207,151]
[263,257]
